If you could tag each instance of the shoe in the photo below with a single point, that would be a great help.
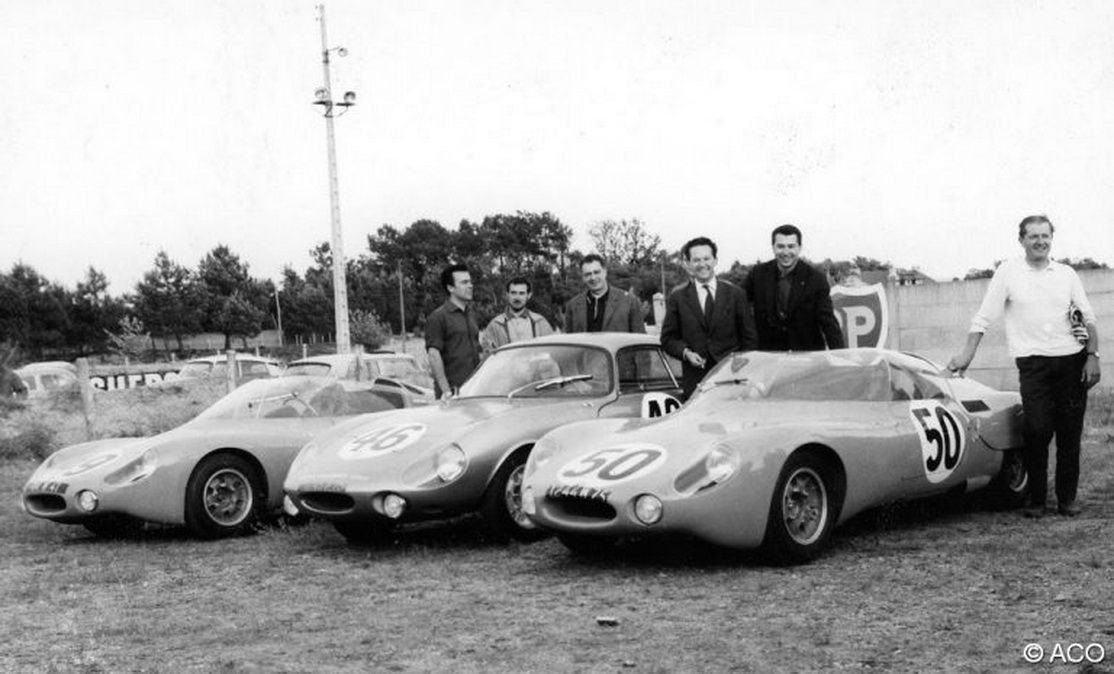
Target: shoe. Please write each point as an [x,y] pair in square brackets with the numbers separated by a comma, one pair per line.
[1033,512]
[1069,509]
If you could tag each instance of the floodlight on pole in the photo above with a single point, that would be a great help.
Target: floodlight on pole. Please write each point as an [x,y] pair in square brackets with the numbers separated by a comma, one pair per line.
[324,97]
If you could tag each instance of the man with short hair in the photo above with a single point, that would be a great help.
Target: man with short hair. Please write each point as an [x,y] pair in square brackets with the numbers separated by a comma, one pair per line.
[602,308]
[452,335]
[517,322]
[1037,296]
[706,318]
[792,300]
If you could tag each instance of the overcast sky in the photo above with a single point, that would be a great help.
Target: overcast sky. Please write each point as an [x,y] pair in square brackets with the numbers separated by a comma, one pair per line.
[914,132]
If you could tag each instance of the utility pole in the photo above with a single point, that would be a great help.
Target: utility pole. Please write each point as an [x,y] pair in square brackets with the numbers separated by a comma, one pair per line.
[324,97]
[278,310]
[401,307]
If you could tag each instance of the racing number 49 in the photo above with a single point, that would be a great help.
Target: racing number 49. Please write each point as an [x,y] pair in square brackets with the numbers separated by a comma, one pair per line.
[943,432]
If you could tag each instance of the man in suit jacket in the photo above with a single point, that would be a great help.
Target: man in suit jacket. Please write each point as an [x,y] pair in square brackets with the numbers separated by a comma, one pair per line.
[792,300]
[602,308]
[705,319]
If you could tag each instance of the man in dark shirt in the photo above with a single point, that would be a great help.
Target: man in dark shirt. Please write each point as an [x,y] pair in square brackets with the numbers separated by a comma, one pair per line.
[452,334]
[602,308]
[792,300]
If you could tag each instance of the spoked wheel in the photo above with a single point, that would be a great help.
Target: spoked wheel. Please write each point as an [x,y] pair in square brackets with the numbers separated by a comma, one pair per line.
[801,512]
[502,505]
[223,497]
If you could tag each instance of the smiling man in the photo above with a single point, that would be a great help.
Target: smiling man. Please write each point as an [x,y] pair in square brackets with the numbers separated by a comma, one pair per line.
[705,319]
[792,300]
[1037,296]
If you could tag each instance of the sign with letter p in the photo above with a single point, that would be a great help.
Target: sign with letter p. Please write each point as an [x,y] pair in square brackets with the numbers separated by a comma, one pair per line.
[862,314]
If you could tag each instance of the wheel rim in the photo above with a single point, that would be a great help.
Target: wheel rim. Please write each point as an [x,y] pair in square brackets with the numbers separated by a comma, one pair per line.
[804,506]
[1017,477]
[228,497]
[512,499]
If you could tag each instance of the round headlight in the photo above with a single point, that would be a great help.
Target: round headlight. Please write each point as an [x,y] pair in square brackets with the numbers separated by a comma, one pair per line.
[647,508]
[451,463]
[393,505]
[528,505]
[87,500]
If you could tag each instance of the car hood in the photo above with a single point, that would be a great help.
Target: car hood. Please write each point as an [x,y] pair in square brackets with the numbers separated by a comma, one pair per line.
[392,441]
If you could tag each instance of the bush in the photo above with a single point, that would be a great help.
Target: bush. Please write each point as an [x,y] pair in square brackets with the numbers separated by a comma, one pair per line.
[36,442]
[366,329]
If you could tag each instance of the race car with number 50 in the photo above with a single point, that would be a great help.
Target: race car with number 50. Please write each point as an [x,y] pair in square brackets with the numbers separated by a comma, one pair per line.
[466,454]
[774,450]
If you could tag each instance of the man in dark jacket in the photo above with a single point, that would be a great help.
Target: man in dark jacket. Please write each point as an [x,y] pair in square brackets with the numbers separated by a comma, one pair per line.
[602,307]
[792,300]
[705,319]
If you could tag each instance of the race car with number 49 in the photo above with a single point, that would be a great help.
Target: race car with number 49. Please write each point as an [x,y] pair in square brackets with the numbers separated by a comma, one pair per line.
[218,474]
[466,454]
[774,450]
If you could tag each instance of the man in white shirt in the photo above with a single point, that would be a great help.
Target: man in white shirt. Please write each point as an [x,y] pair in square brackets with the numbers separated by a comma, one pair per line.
[517,323]
[1036,295]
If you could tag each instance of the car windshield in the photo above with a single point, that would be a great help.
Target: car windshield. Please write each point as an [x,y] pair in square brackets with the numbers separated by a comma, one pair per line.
[826,375]
[196,369]
[396,367]
[304,397]
[542,371]
[310,369]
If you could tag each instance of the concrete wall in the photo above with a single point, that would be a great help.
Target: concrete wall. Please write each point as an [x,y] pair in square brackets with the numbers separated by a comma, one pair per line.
[932,320]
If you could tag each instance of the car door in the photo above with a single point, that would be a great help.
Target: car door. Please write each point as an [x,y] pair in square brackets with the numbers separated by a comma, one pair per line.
[647,384]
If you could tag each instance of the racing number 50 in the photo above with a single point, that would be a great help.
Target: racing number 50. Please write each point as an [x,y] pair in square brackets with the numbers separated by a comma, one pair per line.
[610,467]
[943,432]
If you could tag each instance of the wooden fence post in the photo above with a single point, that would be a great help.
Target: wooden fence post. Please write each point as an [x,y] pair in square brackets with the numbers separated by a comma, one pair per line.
[233,375]
[86,388]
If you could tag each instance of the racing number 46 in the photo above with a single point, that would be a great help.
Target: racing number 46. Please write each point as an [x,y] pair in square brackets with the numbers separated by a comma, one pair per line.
[942,430]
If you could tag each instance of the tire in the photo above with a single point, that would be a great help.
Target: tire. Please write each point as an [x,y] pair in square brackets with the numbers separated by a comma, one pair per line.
[364,532]
[224,497]
[502,504]
[586,546]
[802,511]
[1009,488]
[114,526]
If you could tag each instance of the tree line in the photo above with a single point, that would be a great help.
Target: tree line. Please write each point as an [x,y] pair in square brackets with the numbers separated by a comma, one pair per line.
[396,274]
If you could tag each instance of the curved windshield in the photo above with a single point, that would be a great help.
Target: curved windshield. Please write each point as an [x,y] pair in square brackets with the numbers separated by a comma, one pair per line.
[286,397]
[307,369]
[824,375]
[543,371]
[196,369]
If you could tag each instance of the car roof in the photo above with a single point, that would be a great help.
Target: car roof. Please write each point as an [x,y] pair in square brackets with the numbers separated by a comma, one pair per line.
[48,366]
[341,358]
[607,340]
[240,357]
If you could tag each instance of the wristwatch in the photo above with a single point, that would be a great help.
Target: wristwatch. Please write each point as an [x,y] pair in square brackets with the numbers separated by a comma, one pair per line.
[1093,353]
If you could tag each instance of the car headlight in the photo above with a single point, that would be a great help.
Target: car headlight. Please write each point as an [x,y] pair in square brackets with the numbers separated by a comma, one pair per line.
[647,508]
[134,470]
[720,464]
[393,506]
[451,463]
[87,500]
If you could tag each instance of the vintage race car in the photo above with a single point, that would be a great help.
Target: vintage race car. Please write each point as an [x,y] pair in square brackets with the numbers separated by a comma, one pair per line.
[774,449]
[218,474]
[397,369]
[467,454]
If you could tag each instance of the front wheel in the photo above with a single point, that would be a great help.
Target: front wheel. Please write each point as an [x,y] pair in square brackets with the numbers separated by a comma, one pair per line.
[223,497]
[802,513]
[502,504]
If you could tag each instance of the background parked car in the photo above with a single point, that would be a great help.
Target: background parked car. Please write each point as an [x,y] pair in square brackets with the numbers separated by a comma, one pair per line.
[402,368]
[42,378]
[248,368]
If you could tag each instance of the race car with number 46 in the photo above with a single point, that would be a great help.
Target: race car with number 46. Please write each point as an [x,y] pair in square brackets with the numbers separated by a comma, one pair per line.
[218,474]
[466,454]
[774,450]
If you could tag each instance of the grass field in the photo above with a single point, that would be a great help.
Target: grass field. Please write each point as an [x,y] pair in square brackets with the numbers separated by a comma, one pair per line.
[936,585]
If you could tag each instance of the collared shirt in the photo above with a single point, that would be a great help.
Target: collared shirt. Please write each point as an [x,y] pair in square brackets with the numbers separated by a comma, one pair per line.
[596,308]
[1035,303]
[701,293]
[520,326]
[453,332]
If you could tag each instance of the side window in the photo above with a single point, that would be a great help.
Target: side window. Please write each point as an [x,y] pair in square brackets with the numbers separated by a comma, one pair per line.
[643,369]
[903,385]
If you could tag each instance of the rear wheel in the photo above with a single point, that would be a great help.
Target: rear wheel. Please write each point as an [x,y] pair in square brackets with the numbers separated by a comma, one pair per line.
[224,497]
[1009,488]
[502,504]
[802,512]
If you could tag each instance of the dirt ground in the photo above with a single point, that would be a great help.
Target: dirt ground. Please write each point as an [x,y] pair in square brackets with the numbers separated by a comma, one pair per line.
[939,585]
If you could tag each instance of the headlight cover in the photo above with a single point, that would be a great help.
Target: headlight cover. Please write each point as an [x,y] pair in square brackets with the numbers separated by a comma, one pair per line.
[134,470]
[717,467]
[450,463]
